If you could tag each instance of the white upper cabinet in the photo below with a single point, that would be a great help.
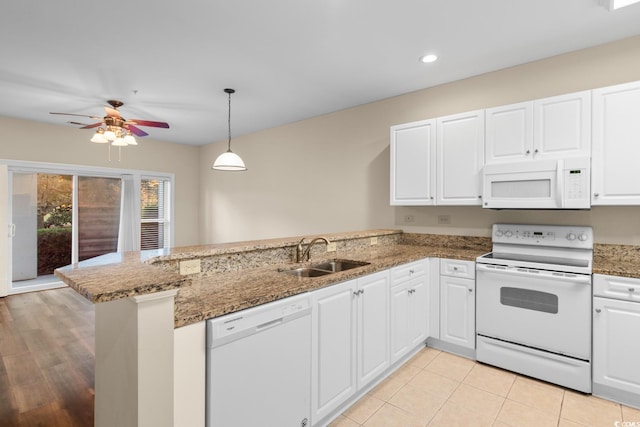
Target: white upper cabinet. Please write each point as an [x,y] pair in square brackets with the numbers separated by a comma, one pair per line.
[509,133]
[549,128]
[413,163]
[460,154]
[615,175]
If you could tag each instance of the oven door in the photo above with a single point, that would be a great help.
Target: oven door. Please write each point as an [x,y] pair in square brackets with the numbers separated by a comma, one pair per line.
[542,309]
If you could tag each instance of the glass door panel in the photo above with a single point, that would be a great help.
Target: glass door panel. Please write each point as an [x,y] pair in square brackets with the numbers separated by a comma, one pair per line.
[98,215]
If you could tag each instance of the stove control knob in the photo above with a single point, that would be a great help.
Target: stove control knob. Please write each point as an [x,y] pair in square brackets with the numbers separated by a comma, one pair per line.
[571,236]
[498,233]
[508,233]
[582,237]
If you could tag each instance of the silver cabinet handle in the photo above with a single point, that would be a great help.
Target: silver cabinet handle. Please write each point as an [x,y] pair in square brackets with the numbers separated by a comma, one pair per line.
[470,290]
[598,310]
[535,151]
[596,194]
[632,289]
[528,152]
[355,293]
[411,271]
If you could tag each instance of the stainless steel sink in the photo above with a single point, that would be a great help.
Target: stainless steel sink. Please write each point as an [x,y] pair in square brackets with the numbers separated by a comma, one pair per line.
[340,265]
[306,272]
[325,268]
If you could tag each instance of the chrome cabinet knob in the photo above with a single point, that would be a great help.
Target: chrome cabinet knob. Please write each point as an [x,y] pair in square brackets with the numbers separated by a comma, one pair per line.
[596,194]
[470,290]
[528,152]
[598,310]
[632,289]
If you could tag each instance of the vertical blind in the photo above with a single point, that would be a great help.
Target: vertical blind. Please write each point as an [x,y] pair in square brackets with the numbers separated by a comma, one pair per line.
[154,210]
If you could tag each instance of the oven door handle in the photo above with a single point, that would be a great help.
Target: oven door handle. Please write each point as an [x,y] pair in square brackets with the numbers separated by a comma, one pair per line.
[540,274]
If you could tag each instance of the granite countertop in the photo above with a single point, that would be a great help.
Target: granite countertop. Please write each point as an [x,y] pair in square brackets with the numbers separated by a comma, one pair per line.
[229,292]
[116,276]
[616,260]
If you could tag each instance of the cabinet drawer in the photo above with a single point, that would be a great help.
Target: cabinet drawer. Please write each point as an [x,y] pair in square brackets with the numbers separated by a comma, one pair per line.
[458,268]
[404,272]
[623,288]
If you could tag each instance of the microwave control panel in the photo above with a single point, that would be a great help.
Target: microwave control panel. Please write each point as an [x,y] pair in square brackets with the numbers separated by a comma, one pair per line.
[576,186]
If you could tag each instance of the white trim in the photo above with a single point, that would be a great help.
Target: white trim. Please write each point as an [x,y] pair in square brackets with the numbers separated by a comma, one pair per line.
[74,170]
[63,168]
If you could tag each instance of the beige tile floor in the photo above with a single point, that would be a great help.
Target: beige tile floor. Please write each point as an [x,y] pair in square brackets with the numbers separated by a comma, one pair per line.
[435,388]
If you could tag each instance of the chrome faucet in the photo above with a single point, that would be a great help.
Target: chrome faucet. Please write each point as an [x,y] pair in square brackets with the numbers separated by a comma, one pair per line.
[300,255]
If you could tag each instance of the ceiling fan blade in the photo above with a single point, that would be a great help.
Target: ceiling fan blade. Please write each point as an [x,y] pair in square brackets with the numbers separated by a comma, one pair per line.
[79,115]
[94,125]
[136,131]
[149,123]
[112,112]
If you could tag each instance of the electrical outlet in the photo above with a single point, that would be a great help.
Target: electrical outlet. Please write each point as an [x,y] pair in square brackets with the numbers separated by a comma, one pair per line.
[191,266]
[374,240]
[409,218]
[444,219]
[331,247]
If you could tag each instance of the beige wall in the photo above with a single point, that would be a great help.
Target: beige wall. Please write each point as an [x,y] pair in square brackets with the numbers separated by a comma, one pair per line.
[33,141]
[331,173]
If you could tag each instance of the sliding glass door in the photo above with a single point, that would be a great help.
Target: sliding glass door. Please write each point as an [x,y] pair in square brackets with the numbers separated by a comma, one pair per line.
[58,220]
[56,215]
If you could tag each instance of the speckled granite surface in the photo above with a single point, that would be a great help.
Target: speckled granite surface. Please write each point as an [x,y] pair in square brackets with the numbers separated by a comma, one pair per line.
[245,274]
[240,275]
[225,293]
[616,260]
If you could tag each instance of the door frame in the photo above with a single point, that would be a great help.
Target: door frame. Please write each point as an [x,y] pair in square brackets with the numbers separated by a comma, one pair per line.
[7,167]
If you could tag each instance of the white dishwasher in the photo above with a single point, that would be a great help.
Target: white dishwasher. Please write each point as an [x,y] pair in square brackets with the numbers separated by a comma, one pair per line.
[259,366]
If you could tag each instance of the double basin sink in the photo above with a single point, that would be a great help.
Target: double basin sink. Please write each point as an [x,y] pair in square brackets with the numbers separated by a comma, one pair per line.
[324,268]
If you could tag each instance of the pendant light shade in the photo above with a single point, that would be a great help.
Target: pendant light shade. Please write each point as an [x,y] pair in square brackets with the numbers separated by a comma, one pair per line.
[229,161]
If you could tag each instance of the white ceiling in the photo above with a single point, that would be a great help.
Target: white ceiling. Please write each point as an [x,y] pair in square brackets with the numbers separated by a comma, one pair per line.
[287,59]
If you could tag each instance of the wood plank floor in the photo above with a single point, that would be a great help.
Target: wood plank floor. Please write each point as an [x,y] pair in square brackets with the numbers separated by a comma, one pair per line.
[46,359]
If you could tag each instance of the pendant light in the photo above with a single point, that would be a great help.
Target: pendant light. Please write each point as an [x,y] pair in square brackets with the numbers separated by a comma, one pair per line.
[229,161]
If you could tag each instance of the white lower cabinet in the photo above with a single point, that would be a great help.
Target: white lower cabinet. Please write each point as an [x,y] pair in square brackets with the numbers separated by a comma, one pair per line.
[616,344]
[458,303]
[350,340]
[409,307]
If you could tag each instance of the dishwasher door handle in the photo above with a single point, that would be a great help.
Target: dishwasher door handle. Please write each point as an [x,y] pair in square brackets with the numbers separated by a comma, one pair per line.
[270,324]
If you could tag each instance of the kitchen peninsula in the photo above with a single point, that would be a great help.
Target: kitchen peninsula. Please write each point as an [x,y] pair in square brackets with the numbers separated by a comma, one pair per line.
[141,297]
[150,329]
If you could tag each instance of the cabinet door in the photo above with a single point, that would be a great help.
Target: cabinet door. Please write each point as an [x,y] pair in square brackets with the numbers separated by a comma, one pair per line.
[373,326]
[460,151]
[615,344]
[399,339]
[413,163]
[418,311]
[509,133]
[457,311]
[562,126]
[615,175]
[333,347]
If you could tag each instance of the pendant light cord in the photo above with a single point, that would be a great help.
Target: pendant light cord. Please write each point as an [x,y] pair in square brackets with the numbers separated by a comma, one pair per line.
[229,122]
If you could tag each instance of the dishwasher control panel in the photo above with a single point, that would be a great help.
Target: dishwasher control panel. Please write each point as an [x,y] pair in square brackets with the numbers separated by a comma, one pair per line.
[255,319]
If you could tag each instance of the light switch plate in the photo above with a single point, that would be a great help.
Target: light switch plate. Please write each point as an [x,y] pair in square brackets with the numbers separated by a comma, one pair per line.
[374,240]
[191,266]
[331,247]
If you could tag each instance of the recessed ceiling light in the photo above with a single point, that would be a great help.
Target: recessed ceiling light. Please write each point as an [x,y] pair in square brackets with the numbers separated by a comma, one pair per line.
[617,4]
[428,58]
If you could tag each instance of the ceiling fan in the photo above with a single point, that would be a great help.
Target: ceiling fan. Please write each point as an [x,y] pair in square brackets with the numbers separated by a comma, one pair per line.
[116,128]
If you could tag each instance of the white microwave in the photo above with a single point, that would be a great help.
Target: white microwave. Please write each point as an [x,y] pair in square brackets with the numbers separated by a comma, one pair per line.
[538,184]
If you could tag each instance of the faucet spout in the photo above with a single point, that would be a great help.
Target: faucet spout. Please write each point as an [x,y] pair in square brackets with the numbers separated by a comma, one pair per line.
[300,254]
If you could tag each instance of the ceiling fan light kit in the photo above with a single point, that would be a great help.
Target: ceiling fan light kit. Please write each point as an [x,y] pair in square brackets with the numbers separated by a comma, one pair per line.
[229,161]
[117,130]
